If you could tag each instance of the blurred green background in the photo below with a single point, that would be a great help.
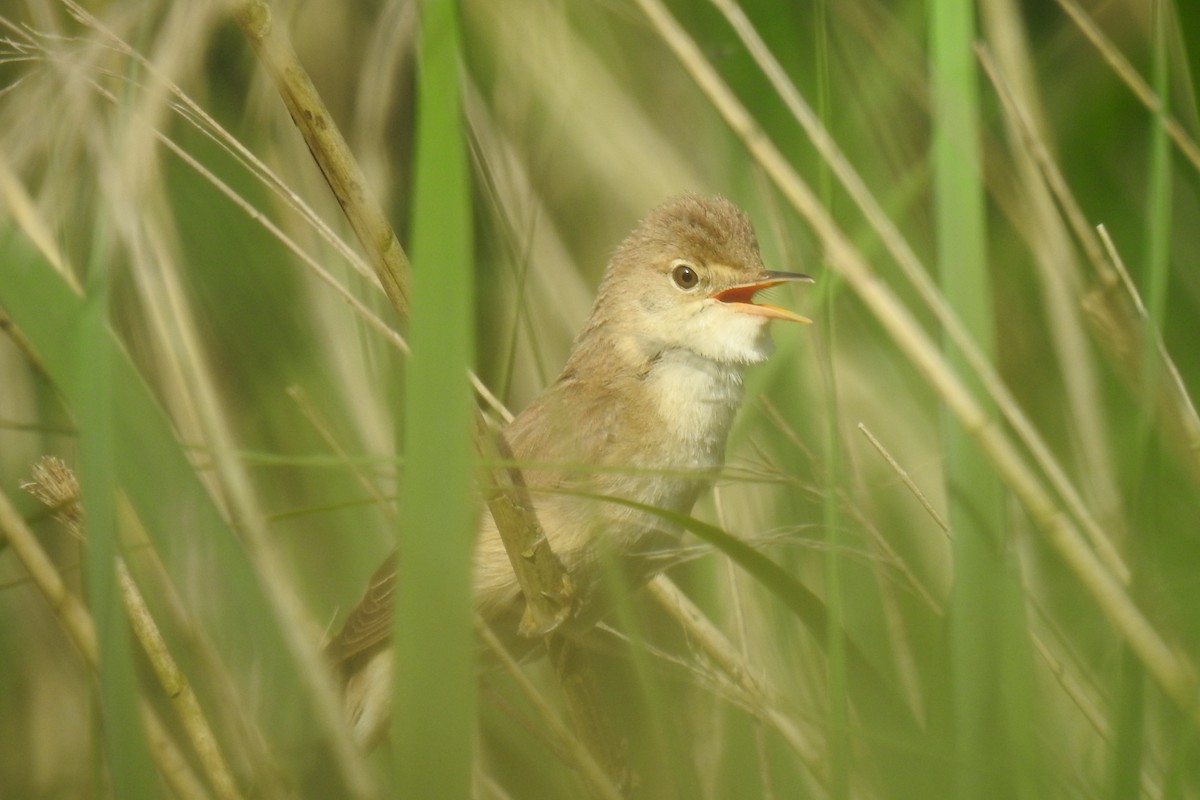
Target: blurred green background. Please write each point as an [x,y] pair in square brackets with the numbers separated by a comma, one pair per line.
[169,335]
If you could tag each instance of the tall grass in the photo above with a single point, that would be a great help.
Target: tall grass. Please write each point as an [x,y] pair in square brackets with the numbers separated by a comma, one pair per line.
[981,655]
[435,709]
[1000,208]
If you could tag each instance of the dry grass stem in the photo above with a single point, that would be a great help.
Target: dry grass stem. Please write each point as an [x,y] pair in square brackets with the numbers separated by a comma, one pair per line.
[243,738]
[329,149]
[71,612]
[757,695]
[905,478]
[572,747]
[550,600]
[25,212]
[1176,401]
[173,765]
[1059,272]
[177,687]
[1125,71]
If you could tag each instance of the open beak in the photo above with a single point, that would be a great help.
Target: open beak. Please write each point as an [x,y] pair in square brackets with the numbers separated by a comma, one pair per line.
[742,295]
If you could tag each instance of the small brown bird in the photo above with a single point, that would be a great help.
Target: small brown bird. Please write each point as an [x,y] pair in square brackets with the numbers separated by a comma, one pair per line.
[641,411]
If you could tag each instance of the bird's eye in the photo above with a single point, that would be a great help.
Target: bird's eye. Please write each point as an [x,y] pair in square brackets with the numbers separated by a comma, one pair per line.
[685,277]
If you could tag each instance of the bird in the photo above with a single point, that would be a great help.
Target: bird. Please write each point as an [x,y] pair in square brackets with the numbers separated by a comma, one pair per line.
[640,412]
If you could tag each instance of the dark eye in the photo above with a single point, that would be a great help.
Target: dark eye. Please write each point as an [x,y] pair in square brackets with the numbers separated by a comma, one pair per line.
[685,277]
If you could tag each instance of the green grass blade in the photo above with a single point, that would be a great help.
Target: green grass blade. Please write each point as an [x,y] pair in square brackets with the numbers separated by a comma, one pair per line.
[1130,686]
[123,741]
[433,724]
[839,701]
[974,493]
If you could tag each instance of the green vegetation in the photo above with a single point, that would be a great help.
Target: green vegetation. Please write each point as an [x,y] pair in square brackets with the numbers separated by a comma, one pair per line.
[956,549]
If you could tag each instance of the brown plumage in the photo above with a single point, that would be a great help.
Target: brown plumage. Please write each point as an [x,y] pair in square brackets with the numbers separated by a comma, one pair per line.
[641,411]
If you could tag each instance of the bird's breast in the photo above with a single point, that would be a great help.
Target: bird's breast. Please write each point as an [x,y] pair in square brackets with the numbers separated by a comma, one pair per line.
[694,400]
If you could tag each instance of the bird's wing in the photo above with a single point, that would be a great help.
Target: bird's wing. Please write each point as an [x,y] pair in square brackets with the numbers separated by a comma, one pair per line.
[370,622]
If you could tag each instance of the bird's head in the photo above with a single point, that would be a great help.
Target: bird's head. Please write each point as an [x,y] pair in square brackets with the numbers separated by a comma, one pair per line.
[685,278]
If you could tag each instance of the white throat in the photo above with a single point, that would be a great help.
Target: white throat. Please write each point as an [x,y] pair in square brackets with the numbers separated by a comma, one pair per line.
[721,332]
